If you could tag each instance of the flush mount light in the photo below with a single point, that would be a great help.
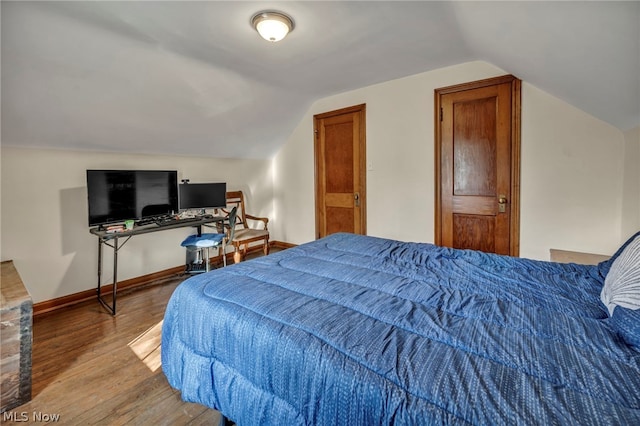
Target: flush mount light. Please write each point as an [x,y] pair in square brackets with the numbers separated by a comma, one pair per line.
[272,26]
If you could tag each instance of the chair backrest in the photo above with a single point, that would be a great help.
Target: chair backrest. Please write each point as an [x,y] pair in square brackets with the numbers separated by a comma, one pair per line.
[236,199]
[155,210]
[232,223]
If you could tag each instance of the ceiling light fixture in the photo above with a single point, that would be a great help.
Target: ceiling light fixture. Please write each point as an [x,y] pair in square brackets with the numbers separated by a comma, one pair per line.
[272,26]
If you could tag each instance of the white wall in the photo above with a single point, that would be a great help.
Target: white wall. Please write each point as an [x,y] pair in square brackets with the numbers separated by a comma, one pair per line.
[571,167]
[571,178]
[631,197]
[44,215]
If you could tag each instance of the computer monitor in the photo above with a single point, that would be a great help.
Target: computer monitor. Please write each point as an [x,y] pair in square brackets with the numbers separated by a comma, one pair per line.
[202,195]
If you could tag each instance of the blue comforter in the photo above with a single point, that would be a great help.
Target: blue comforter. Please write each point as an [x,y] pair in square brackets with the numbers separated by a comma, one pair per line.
[354,330]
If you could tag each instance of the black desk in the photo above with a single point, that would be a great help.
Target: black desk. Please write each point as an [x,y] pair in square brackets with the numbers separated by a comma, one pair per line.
[118,239]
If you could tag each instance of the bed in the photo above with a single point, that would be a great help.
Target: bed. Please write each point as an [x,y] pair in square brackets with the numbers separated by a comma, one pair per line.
[357,330]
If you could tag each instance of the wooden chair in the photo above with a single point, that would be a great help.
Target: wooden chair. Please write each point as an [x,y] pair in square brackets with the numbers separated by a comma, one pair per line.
[244,235]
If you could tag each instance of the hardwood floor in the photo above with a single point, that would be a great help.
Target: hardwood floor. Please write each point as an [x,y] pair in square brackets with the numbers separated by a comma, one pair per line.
[84,371]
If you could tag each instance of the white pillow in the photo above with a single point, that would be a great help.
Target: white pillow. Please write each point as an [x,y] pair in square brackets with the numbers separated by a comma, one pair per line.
[622,283]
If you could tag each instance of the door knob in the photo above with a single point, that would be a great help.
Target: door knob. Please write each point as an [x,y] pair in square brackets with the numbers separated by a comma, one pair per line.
[502,203]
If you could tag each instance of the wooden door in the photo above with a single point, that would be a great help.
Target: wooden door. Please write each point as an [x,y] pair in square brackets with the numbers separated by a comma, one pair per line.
[340,171]
[478,165]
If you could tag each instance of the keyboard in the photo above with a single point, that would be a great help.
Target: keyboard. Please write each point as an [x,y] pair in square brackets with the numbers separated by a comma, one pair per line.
[146,221]
[171,220]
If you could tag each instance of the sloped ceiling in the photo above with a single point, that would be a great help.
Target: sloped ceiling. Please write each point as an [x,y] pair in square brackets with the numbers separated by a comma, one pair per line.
[194,78]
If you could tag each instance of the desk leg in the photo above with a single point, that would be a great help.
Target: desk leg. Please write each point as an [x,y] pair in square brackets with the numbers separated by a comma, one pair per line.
[111,308]
[115,273]
[99,266]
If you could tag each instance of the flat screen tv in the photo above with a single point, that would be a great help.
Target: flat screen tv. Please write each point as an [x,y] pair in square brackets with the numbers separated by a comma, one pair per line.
[202,195]
[119,195]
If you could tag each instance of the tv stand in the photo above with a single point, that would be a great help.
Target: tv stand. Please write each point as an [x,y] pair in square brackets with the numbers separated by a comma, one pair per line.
[116,240]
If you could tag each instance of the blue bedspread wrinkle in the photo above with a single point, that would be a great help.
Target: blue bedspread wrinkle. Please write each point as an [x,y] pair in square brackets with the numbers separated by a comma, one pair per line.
[356,330]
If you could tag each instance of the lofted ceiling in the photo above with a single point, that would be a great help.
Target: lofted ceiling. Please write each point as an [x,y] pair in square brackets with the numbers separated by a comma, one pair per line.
[194,78]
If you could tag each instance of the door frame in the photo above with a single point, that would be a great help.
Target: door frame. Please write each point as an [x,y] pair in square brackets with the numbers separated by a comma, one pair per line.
[514,222]
[362,175]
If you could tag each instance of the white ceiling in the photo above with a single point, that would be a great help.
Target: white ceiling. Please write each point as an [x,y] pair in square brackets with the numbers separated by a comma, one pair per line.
[194,78]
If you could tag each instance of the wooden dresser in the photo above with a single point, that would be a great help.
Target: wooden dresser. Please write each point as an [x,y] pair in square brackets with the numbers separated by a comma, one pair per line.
[16,320]
[565,256]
